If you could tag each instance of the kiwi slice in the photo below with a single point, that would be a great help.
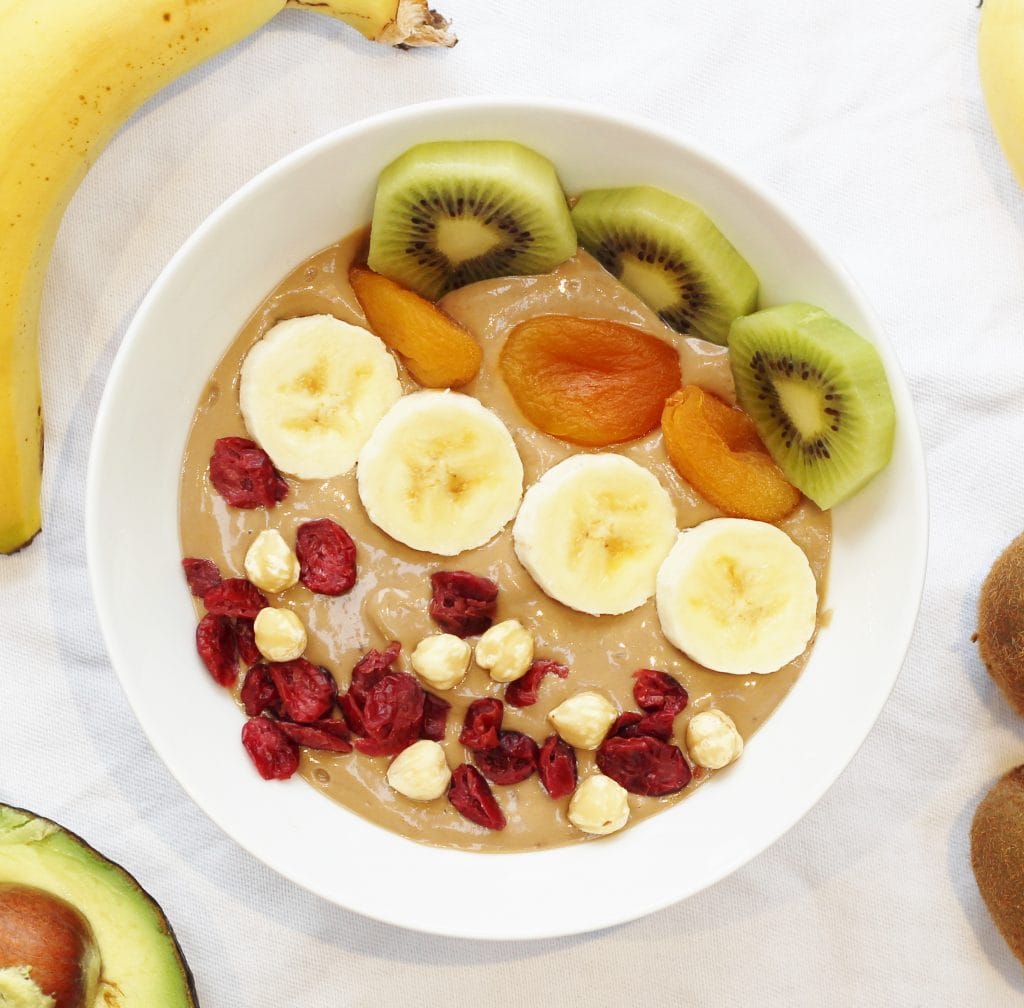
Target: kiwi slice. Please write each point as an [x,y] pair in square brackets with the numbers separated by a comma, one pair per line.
[669,253]
[997,856]
[818,395]
[451,212]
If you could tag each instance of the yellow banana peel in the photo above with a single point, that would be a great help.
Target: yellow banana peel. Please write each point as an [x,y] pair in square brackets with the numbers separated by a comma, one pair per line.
[72,72]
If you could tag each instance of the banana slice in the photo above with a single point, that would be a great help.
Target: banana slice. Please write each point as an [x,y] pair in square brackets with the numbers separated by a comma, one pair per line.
[737,596]
[440,473]
[312,390]
[593,531]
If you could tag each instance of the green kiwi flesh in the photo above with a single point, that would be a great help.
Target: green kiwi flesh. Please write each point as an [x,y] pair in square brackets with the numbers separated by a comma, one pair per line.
[818,395]
[669,253]
[451,212]
[997,856]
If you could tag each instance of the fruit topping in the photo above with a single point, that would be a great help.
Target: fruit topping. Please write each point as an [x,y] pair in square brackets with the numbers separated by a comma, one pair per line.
[471,796]
[307,691]
[512,760]
[234,597]
[245,632]
[556,767]
[715,447]
[670,254]
[270,563]
[242,473]
[737,596]
[600,806]
[201,575]
[592,532]
[644,765]
[655,690]
[435,717]
[327,557]
[588,381]
[438,352]
[631,724]
[712,739]
[259,694]
[440,473]
[505,651]
[312,390]
[218,648]
[482,724]
[327,735]
[523,692]
[392,715]
[373,666]
[584,719]
[451,212]
[275,756]
[420,771]
[462,604]
[818,394]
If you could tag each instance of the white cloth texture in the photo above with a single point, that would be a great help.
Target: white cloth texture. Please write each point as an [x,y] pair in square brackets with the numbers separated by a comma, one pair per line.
[866,121]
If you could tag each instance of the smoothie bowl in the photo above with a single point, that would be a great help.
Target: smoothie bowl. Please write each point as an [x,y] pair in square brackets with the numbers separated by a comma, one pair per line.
[489,584]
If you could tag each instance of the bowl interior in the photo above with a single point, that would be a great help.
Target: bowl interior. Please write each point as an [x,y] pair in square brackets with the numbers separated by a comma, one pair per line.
[194,310]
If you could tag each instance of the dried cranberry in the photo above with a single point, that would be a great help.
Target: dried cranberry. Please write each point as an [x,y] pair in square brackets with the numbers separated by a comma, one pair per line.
[512,760]
[523,691]
[392,715]
[462,604]
[327,557]
[201,575]
[274,755]
[235,597]
[556,767]
[644,765]
[242,473]
[307,692]
[246,634]
[631,724]
[368,671]
[655,691]
[435,717]
[259,693]
[482,723]
[329,735]
[215,641]
[471,795]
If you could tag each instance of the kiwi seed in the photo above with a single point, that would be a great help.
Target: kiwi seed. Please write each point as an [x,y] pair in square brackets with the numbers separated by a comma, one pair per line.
[1000,633]
[997,856]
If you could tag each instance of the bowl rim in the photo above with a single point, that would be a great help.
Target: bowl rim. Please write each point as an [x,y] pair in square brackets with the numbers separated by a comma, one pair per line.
[814,784]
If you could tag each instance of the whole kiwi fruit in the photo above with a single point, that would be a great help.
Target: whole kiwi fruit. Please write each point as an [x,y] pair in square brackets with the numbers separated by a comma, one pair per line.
[997,856]
[1000,633]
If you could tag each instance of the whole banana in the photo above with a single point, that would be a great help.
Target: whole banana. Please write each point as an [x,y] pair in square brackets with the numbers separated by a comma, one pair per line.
[1001,64]
[72,72]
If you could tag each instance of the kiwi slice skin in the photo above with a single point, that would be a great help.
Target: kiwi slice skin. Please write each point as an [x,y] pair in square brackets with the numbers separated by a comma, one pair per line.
[670,254]
[818,395]
[450,212]
[997,856]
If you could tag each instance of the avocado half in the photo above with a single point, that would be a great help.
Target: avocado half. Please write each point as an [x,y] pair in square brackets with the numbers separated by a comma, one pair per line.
[141,964]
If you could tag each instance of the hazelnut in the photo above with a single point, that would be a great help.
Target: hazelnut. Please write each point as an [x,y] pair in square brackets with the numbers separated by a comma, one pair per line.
[441,660]
[505,651]
[280,635]
[584,719]
[420,772]
[270,563]
[712,739]
[599,806]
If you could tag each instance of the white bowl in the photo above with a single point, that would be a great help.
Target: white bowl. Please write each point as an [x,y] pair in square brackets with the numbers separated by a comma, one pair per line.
[196,307]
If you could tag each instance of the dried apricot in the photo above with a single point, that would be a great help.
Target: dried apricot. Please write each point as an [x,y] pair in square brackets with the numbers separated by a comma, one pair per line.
[589,381]
[438,352]
[716,449]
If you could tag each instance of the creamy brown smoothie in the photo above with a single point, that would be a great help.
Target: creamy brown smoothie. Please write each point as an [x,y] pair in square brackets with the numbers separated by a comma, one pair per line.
[390,597]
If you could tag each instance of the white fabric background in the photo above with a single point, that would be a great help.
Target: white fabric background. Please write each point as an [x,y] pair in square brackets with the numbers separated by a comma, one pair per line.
[866,120]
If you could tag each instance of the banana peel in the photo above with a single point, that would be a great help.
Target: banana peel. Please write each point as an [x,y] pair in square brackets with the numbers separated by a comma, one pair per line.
[74,71]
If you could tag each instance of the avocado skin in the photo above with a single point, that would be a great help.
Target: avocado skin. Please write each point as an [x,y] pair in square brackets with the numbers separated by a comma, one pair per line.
[69,859]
